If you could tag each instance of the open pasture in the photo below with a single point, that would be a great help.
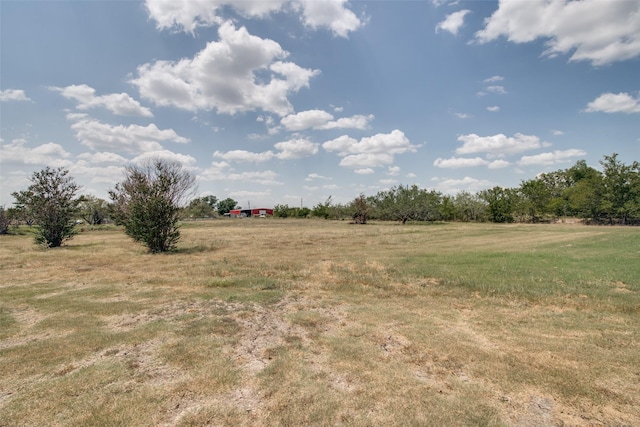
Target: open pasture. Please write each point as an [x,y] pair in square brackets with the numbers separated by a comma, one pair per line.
[262,322]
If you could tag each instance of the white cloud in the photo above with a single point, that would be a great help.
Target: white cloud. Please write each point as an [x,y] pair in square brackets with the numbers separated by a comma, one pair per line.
[222,171]
[13,95]
[102,157]
[493,79]
[188,15]
[332,14]
[120,104]
[598,31]
[557,132]
[453,22]
[393,170]
[306,120]
[296,149]
[369,152]
[548,159]
[460,162]
[364,171]
[463,115]
[354,122]
[493,109]
[244,156]
[498,145]
[614,103]
[319,119]
[366,160]
[184,159]
[313,176]
[49,154]
[500,90]
[388,181]
[498,164]
[131,139]
[224,76]
[454,186]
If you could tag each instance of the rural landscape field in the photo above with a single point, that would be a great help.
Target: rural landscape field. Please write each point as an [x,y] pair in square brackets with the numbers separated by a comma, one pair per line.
[265,322]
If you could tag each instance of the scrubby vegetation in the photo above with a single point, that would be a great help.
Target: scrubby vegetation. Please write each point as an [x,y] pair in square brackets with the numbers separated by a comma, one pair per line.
[610,196]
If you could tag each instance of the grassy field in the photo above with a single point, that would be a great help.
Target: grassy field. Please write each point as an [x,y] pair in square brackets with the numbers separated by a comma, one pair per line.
[266,322]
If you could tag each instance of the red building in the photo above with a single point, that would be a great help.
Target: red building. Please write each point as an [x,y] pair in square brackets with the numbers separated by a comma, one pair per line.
[242,213]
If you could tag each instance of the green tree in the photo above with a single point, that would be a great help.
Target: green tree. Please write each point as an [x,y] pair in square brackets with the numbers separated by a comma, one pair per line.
[281,211]
[92,210]
[618,196]
[303,212]
[400,203]
[149,200]
[500,202]
[225,206]
[584,191]
[469,207]
[360,209]
[322,210]
[534,199]
[202,207]
[51,201]
[5,221]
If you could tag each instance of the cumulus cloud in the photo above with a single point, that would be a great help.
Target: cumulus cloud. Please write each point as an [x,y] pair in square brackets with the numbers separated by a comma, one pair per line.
[120,104]
[493,109]
[132,139]
[13,95]
[306,120]
[224,76]
[372,151]
[615,103]
[598,31]
[493,79]
[463,162]
[393,170]
[188,15]
[453,22]
[364,171]
[49,154]
[314,176]
[498,145]
[244,156]
[498,164]
[460,162]
[102,157]
[184,159]
[454,186]
[222,171]
[331,14]
[287,150]
[296,149]
[552,158]
[319,119]
[500,90]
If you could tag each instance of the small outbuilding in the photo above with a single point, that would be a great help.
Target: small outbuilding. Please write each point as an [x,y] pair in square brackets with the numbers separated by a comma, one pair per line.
[244,213]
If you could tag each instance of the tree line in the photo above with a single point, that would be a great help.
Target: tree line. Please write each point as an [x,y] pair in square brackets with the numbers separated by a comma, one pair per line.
[609,196]
[152,199]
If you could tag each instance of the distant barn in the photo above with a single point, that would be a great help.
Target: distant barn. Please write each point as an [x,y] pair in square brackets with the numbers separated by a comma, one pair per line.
[243,213]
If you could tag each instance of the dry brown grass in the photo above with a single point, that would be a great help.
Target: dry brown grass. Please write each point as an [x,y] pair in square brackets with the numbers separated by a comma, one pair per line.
[283,322]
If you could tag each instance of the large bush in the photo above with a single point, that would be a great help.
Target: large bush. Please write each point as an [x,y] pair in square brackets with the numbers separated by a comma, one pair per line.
[149,200]
[51,201]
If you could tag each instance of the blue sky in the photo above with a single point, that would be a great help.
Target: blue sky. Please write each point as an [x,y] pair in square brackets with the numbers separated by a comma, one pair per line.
[274,102]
